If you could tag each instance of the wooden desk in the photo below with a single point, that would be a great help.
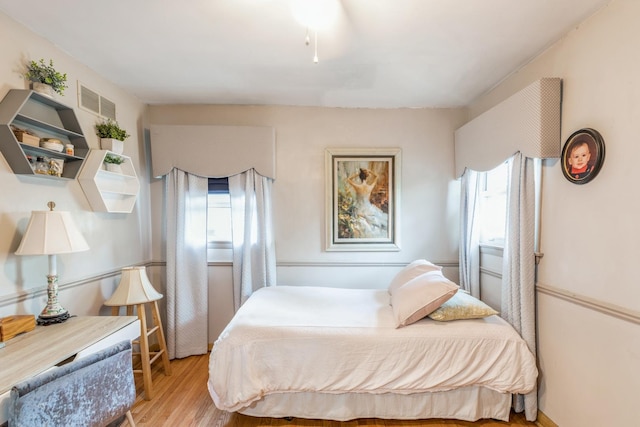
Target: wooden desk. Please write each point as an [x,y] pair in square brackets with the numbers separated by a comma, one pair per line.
[34,352]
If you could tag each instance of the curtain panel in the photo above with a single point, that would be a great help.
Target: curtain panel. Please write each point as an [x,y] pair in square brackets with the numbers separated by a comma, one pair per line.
[470,233]
[254,260]
[519,264]
[187,282]
[518,269]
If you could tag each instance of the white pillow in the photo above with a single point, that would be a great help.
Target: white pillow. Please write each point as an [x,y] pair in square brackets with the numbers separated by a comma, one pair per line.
[462,306]
[411,271]
[421,296]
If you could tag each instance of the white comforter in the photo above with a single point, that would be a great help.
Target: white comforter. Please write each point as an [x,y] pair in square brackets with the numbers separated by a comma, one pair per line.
[292,339]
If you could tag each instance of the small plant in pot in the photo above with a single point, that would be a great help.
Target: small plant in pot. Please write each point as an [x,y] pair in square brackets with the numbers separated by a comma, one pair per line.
[44,78]
[111,135]
[112,162]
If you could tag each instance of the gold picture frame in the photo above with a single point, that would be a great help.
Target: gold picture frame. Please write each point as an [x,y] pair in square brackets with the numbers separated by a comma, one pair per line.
[362,199]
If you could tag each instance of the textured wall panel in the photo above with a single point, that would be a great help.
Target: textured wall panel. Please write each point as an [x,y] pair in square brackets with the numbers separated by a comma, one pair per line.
[213,151]
[528,121]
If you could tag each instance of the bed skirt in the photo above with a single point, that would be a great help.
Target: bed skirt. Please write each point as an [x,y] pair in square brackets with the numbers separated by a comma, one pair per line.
[467,403]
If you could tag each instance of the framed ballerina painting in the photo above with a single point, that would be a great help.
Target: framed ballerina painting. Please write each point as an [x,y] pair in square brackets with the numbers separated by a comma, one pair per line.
[362,199]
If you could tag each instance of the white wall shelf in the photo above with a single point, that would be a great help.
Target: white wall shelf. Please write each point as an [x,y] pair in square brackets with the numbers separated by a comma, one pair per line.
[109,191]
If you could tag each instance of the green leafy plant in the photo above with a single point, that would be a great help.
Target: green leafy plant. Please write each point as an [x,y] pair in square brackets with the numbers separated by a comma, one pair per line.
[114,159]
[40,72]
[110,129]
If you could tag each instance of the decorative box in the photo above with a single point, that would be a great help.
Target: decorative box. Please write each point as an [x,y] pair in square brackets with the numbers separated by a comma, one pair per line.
[26,138]
[14,325]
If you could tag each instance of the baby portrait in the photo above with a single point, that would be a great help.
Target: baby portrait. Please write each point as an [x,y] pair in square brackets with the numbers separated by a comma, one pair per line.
[582,156]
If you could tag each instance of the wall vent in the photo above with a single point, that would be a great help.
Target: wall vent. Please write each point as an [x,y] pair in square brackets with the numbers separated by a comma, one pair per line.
[94,102]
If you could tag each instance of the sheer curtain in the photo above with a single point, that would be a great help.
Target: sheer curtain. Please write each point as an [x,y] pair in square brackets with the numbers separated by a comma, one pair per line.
[187,283]
[254,263]
[470,233]
[518,270]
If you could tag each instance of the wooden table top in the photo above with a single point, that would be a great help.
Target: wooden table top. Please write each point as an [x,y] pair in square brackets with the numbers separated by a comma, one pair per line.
[36,351]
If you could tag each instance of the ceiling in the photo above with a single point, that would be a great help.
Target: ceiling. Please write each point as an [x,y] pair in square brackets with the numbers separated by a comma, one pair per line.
[377,54]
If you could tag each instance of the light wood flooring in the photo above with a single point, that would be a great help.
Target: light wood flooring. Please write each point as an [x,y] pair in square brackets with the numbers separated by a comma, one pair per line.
[182,399]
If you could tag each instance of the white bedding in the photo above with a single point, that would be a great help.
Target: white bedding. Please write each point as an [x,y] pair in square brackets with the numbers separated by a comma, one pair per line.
[289,339]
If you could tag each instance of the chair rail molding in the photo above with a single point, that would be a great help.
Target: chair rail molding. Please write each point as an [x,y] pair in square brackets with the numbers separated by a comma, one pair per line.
[590,303]
[32,293]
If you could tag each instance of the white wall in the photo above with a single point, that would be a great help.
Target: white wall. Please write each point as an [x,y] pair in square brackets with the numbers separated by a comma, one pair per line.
[590,361]
[116,240]
[430,195]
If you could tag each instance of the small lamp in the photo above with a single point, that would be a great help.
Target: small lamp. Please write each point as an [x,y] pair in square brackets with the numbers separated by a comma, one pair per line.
[51,233]
[134,288]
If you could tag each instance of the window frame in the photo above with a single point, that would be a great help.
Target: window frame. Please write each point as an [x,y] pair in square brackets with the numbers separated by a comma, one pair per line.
[493,193]
[219,250]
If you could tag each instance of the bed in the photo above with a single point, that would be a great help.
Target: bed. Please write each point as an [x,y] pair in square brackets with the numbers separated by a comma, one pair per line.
[340,354]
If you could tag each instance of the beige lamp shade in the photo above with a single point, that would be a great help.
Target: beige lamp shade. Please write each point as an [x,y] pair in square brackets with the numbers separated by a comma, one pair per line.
[50,233]
[134,288]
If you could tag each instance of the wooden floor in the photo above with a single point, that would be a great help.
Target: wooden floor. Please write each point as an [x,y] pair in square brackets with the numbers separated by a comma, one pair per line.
[183,400]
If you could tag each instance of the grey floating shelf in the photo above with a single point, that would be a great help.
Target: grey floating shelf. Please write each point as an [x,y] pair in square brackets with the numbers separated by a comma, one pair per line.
[46,118]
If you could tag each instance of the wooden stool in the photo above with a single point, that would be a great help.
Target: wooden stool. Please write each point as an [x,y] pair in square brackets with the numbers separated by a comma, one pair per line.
[148,357]
[135,290]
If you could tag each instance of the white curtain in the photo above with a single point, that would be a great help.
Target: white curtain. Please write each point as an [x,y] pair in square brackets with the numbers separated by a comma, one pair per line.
[518,271]
[186,245]
[470,233]
[254,264]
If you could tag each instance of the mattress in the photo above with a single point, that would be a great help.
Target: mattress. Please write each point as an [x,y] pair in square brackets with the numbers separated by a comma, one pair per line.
[332,341]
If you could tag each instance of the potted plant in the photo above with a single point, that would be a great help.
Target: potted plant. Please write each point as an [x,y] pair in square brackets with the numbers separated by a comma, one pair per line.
[111,135]
[45,79]
[112,162]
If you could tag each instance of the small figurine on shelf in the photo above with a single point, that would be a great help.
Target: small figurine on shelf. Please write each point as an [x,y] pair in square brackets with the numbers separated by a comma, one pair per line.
[55,167]
[42,166]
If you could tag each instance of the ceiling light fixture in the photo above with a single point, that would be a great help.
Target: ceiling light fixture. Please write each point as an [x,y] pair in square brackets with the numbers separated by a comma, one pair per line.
[315,15]
[315,46]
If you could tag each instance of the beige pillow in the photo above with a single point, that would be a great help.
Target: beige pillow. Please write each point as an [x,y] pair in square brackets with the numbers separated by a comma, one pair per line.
[462,306]
[420,296]
[411,271]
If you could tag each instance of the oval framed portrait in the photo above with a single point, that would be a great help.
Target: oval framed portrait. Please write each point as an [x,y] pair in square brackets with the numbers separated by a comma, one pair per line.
[582,155]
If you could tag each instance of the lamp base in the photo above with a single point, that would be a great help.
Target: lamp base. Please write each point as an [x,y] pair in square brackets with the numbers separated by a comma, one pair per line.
[50,320]
[53,312]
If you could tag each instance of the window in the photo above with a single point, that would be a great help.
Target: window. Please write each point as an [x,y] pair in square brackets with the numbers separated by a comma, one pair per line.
[219,220]
[493,205]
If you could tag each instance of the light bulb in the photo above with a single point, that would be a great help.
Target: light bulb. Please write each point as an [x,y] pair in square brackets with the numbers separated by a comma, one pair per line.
[317,14]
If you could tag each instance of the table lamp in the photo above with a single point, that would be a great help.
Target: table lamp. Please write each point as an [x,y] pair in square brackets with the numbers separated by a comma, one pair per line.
[134,288]
[51,233]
